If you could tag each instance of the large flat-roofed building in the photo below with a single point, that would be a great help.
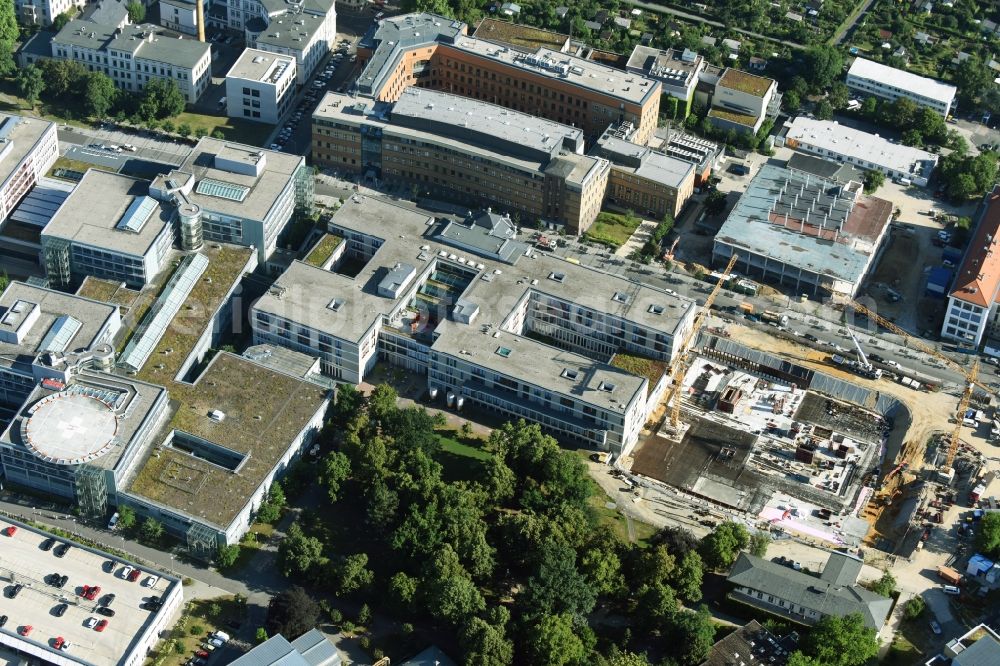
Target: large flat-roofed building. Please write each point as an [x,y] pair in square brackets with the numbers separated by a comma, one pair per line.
[869,78]
[125,235]
[742,101]
[469,151]
[467,304]
[971,314]
[40,328]
[244,195]
[796,229]
[644,180]
[431,51]
[133,55]
[306,35]
[130,634]
[310,649]
[260,86]
[831,140]
[28,148]
[677,71]
[979,646]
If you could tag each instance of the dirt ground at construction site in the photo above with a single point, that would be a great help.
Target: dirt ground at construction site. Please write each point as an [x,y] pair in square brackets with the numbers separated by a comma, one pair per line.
[929,414]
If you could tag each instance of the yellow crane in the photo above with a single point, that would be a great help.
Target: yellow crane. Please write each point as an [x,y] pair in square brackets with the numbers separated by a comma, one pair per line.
[917,343]
[680,363]
[963,405]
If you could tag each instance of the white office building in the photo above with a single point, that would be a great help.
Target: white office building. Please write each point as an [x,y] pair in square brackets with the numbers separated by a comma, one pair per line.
[44,12]
[869,78]
[134,55]
[181,15]
[488,322]
[108,227]
[306,30]
[831,140]
[260,86]
[28,149]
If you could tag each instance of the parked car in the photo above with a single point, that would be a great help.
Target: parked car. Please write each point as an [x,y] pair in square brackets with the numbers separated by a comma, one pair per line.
[62,549]
[48,543]
[105,611]
[126,572]
[107,599]
[151,581]
[3,620]
[25,630]
[60,610]
[62,581]
[134,576]
[101,626]
[16,590]
[10,530]
[935,627]
[90,622]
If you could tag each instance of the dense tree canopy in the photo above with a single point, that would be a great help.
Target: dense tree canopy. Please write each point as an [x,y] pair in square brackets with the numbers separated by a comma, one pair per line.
[508,559]
[721,546]
[841,641]
[988,539]
[292,613]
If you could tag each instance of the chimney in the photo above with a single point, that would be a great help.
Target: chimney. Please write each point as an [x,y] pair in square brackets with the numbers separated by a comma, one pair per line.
[200,5]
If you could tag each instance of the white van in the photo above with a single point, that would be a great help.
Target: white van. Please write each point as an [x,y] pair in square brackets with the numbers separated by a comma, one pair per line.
[113,521]
[951,589]
[222,636]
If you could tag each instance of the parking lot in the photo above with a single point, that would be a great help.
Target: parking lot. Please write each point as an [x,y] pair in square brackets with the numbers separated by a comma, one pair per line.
[36,603]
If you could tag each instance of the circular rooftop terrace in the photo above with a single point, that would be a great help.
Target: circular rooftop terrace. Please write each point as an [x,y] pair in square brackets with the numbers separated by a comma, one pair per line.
[70,428]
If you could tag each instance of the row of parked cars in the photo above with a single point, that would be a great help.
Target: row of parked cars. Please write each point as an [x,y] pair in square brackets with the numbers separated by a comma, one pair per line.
[214,641]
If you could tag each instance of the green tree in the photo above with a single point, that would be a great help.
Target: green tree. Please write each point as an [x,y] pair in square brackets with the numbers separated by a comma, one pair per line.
[126,517]
[63,78]
[693,634]
[628,659]
[656,607]
[721,546]
[824,110]
[824,64]
[454,598]
[499,480]
[440,7]
[403,589]
[161,98]
[227,556]
[988,537]
[261,635]
[30,84]
[336,470]
[759,542]
[554,641]
[791,101]
[486,644]
[798,658]
[873,180]
[298,554]
[353,574]
[9,32]
[558,586]
[136,11]
[100,94]
[59,22]
[885,585]
[972,77]
[292,612]
[841,641]
[914,608]
[184,130]
[151,531]
[715,203]
[365,615]
[838,96]
[686,579]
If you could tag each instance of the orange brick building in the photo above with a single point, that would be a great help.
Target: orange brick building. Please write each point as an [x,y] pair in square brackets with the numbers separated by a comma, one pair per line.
[434,52]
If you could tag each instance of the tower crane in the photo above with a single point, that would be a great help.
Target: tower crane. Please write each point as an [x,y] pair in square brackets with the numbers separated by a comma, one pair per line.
[916,343]
[963,405]
[680,363]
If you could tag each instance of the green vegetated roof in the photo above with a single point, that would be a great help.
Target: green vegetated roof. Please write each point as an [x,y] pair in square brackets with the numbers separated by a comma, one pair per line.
[732,116]
[323,250]
[649,368]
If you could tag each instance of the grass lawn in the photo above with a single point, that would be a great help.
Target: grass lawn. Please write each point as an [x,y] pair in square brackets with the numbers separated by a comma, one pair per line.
[201,617]
[233,129]
[612,518]
[612,229]
[902,652]
[462,458]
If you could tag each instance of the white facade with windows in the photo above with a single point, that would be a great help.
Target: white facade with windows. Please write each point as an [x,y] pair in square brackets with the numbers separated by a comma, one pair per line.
[181,15]
[44,12]
[260,87]
[868,78]
[134,55]
[538,340]
[28,149]
[830,139]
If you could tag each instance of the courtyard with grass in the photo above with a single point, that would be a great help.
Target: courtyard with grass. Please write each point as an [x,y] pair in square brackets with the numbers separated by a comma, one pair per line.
[201,617]
[612,229]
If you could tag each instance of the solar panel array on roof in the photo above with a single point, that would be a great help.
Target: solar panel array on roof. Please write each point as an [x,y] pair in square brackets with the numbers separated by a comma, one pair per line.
[137,214]
[221,189]
[60,334]
[166,307]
